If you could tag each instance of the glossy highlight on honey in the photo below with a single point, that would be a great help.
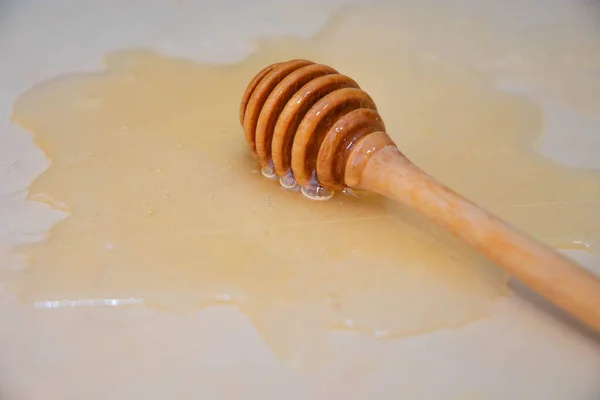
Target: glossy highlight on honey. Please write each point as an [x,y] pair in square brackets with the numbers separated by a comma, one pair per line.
[167,206]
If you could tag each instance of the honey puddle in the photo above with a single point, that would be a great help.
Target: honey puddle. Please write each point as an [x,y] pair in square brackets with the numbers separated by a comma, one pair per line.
[167,207]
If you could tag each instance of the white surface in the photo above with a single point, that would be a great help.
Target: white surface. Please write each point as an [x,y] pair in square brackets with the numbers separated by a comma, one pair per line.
[126,353]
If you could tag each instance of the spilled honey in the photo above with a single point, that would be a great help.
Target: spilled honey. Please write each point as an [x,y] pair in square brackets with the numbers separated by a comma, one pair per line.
[166,206]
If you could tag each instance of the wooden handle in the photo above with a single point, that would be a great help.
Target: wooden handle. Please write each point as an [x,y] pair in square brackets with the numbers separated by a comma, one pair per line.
[553,276]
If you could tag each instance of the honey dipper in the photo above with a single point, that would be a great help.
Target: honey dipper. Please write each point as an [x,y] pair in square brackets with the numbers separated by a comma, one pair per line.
[305,121]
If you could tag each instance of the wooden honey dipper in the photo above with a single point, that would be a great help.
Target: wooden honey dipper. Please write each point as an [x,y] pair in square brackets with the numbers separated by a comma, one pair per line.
[308,121]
